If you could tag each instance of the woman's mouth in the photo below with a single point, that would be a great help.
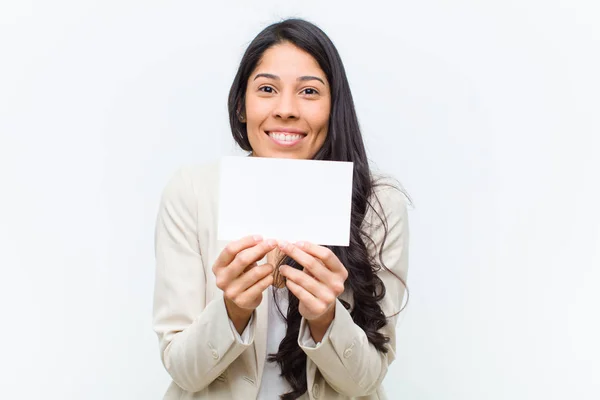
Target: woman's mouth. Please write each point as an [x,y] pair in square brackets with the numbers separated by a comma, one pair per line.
[285,138]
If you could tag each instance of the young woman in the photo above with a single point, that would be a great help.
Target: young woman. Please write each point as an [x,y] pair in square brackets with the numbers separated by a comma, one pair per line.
[265,319]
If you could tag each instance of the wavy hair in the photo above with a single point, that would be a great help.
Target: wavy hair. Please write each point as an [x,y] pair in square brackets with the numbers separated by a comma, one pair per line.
[343,142]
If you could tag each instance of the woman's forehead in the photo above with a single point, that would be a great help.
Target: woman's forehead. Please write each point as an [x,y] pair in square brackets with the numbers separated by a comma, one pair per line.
[287,62]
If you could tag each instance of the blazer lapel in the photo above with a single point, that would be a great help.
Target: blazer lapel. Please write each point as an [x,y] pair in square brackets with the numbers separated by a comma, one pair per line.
[260,349]
[260,336]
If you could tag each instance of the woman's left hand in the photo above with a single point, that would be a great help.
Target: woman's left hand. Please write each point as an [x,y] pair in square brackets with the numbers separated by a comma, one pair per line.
[318,285]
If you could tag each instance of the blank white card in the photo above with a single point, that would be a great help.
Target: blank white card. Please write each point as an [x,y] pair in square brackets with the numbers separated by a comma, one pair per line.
[285,199]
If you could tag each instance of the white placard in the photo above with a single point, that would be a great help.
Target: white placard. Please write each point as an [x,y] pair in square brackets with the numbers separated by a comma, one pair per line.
[285,199]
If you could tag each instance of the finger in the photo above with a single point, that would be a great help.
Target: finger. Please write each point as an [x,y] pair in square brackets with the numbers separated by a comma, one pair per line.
[312,264]
[308,283]
[247,279]
[233,248]
[248,257]
[308,300]
[324,254]
[256,290]
[249,267]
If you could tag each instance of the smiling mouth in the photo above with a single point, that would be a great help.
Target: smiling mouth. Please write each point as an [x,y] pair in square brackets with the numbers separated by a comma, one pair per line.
[286,138]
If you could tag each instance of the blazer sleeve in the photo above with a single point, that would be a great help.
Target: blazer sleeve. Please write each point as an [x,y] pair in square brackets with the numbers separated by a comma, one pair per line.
[196,340]
[344,357]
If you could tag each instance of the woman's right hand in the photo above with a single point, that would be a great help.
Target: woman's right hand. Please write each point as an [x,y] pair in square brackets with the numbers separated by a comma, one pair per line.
[241,279]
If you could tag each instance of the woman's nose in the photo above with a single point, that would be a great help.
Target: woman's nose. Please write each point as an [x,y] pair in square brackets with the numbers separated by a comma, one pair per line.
[286,107]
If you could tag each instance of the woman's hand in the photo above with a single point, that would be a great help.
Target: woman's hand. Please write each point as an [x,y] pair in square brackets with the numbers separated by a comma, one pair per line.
[317,286]
[241,279]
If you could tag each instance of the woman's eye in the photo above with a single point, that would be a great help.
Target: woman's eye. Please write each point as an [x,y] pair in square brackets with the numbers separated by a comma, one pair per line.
[266,89]
[310,91]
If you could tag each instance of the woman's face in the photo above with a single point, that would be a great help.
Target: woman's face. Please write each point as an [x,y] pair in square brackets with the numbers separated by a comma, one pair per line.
[288,102]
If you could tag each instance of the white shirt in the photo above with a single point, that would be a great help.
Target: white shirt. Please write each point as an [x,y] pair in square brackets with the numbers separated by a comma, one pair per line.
[272,384]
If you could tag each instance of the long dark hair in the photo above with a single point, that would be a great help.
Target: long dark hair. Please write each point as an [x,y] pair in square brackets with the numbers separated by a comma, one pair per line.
[343,143]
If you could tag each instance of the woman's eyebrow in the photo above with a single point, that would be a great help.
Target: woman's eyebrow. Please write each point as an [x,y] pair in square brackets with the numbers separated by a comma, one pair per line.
[310,78]
[302,78]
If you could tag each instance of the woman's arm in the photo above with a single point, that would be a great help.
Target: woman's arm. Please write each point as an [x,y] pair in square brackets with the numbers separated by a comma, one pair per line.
[197,342]
[345,358]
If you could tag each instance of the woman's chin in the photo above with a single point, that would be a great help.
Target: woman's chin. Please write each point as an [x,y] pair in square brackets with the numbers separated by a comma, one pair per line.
[278,153]
[281,154]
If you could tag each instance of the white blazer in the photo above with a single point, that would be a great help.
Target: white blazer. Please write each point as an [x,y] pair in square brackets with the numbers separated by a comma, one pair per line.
[198,347]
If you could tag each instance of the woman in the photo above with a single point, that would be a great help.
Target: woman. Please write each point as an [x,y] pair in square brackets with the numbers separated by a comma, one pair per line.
[264,319]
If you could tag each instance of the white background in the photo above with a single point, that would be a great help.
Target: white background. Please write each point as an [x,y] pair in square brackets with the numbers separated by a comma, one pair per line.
[487,112]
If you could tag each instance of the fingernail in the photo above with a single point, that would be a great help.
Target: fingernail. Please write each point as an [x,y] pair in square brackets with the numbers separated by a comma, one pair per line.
[299,244]
[283,244]
[271,242]
[257,238]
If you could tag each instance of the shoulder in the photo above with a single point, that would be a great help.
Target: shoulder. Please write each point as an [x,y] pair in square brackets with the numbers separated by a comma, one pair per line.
[387,229]
[385,225]
[188,182]
[388,196]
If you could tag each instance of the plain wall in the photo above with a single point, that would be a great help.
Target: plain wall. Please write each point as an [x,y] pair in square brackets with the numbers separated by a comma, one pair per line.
[486,111]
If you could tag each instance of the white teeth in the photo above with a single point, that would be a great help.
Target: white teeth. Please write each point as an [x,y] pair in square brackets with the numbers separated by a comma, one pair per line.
[285,138]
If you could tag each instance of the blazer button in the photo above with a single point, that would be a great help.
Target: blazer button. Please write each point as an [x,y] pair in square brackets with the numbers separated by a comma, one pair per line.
[316,390]
[347,353]
[215,355]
